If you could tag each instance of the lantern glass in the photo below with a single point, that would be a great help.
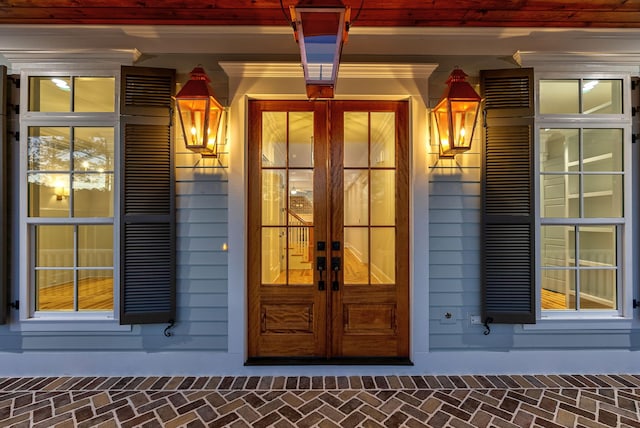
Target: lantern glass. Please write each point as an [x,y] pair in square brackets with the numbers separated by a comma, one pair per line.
[321,30]
[456,115]
[200,118]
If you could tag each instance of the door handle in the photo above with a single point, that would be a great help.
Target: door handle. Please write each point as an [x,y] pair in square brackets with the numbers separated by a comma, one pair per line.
[321,266]
[335,267]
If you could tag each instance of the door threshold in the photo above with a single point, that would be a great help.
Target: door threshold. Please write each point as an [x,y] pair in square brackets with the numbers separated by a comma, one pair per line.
[318,361]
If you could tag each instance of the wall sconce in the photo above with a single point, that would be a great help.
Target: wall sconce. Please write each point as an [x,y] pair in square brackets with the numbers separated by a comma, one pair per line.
[200,114]
[60,191]
[320,29]
[456,115]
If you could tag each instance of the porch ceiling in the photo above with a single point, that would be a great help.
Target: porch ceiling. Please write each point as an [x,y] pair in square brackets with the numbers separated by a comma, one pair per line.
[371,13]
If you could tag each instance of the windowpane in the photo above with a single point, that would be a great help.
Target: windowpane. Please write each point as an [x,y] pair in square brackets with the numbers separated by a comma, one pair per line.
[557,246]
[602,96]
[55,290]
[54,246]
[558,289]
[93,195]
[598,289]
[603,196]
[95,290]
[94,94]
[93,149]
[559,96]
[48,195]
[50,94]
[602,150]
[558,149]
[597,246]
[49,148]
[95,246]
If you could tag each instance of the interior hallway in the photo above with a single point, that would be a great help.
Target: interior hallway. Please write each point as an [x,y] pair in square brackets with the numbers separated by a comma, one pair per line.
[332,401]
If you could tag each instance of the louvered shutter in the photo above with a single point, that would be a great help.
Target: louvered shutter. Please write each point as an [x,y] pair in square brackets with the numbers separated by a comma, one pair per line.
[4,268]
[148,231]
[508,217]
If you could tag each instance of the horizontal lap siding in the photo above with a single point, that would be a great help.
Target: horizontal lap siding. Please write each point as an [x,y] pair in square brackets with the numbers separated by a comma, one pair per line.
[202,274]
[454,256]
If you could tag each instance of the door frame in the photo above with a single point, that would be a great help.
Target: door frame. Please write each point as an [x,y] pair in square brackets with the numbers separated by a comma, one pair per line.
[257,80]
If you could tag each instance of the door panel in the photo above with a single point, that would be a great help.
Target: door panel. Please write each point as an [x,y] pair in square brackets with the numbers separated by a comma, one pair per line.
[328,229]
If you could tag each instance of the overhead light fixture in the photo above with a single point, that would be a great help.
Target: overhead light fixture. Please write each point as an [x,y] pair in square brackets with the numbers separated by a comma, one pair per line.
[456,115]
[320,28]
[200,114]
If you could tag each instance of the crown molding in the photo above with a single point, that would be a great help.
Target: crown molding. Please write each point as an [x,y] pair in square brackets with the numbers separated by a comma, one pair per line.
[579,60]
[347,70]
[19,59]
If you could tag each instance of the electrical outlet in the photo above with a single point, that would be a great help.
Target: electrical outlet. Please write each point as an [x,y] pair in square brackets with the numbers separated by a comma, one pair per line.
[475,319]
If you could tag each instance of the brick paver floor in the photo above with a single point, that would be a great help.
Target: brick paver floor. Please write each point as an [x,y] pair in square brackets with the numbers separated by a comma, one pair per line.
[330,401]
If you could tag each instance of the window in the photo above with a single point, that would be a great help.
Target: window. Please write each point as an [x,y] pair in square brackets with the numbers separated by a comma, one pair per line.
[583,143]
[68,193]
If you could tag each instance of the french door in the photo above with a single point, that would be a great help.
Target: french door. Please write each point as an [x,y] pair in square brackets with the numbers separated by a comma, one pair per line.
[328,230]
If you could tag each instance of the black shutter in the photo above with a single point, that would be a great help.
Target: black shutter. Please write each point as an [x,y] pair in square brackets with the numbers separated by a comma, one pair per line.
[147,222]
[508,217]
[4,274]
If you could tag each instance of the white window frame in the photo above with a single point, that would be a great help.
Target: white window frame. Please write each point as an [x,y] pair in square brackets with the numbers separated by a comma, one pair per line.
[621,317]
[29,319]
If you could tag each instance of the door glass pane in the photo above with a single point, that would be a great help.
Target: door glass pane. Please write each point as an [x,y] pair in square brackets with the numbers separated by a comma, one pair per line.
[356,197]
[95,290]
[356,255]
[274,139]
[383,203]
[356,139]
[274,240]
[300,197]
[300,250]
[273,197]
[94,94]
[383,255]
[383,140]
[301,139]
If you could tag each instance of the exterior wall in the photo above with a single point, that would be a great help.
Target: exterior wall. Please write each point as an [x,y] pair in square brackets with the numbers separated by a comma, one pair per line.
[209,337]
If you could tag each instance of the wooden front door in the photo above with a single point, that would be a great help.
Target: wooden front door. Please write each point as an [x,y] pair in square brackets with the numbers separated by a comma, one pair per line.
[328,230]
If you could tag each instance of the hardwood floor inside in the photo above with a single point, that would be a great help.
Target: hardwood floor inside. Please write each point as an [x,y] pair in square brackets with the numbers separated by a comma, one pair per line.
[93,294]
[553,300]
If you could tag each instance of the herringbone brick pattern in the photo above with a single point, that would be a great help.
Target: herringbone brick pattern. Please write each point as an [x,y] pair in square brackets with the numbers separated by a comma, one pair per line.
[355,401]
